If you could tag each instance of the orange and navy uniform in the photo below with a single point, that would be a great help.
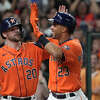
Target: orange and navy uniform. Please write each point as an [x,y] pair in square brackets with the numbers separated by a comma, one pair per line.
[66,76]
[19,70]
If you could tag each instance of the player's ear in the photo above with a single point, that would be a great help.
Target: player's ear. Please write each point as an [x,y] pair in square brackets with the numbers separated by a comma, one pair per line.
[64,29]
[4,34]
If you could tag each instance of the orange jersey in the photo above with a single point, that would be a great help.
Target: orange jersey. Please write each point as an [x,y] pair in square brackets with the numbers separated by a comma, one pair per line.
[19,70]
[96,84]
[66,76]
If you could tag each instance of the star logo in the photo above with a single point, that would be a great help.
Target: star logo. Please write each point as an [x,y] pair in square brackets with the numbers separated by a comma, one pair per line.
[66,47]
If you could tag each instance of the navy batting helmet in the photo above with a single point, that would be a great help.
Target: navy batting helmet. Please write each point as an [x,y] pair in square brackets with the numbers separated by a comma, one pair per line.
[65,19]
[9,23]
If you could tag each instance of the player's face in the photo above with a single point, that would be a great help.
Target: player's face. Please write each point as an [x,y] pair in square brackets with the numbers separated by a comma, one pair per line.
[57,30]
[14,34]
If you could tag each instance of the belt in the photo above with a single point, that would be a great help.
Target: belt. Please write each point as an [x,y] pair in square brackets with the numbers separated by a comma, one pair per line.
[62,96]
[17,98]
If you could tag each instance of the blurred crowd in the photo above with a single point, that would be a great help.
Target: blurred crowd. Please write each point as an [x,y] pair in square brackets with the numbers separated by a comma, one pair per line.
[87,16]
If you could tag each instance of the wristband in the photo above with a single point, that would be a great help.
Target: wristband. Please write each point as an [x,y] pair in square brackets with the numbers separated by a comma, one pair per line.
[43,40]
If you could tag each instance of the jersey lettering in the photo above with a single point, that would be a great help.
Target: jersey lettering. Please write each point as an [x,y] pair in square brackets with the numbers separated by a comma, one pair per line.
[30,62]
[25,61]
[53,59]
[4,69]
[8,64]
[19,61]
[13,61]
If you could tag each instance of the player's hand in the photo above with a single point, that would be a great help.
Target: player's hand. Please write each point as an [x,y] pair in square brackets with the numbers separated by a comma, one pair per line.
[34,18]
[63,9]
[34,13]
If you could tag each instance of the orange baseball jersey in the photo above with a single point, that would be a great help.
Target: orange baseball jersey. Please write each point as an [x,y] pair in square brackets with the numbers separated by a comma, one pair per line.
[66,76]
[96,84]
[19,70]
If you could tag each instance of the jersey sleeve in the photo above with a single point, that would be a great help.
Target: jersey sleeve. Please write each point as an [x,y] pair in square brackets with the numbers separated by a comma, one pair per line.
[72,53]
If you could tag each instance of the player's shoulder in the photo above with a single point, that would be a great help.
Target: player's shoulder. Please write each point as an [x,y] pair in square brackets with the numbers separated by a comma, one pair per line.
[53,40]
[73,43]
[2,51]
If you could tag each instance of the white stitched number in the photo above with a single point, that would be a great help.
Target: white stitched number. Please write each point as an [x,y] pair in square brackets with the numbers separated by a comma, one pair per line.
[31,74]
[63,71]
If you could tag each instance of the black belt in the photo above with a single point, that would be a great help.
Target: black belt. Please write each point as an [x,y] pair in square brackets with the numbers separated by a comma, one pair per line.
[62,96]
[17,98]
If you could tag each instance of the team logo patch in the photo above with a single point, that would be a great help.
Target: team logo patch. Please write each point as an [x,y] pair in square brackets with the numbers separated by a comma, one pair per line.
[66,47]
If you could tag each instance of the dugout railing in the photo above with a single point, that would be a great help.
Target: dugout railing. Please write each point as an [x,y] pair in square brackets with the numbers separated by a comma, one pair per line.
[90,37]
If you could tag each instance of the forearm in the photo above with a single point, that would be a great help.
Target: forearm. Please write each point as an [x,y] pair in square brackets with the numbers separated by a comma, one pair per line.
[54,50]
[51,48]
[74,5]
[94,7]
[13,4]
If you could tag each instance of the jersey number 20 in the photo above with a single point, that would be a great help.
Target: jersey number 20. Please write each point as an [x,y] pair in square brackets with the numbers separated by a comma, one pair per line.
[31,73]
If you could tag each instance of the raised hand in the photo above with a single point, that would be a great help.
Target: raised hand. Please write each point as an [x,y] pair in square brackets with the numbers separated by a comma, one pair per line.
[34,13]
[34,18]
[63,9]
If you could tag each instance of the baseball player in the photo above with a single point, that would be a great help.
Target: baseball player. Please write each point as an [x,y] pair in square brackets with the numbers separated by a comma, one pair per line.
[66,57]
[19,63]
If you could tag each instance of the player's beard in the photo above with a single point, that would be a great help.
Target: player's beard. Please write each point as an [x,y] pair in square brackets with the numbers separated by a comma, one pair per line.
[17,37]
[55,36]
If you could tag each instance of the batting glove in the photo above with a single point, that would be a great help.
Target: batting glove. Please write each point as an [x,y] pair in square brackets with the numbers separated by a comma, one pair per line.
[34,18]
